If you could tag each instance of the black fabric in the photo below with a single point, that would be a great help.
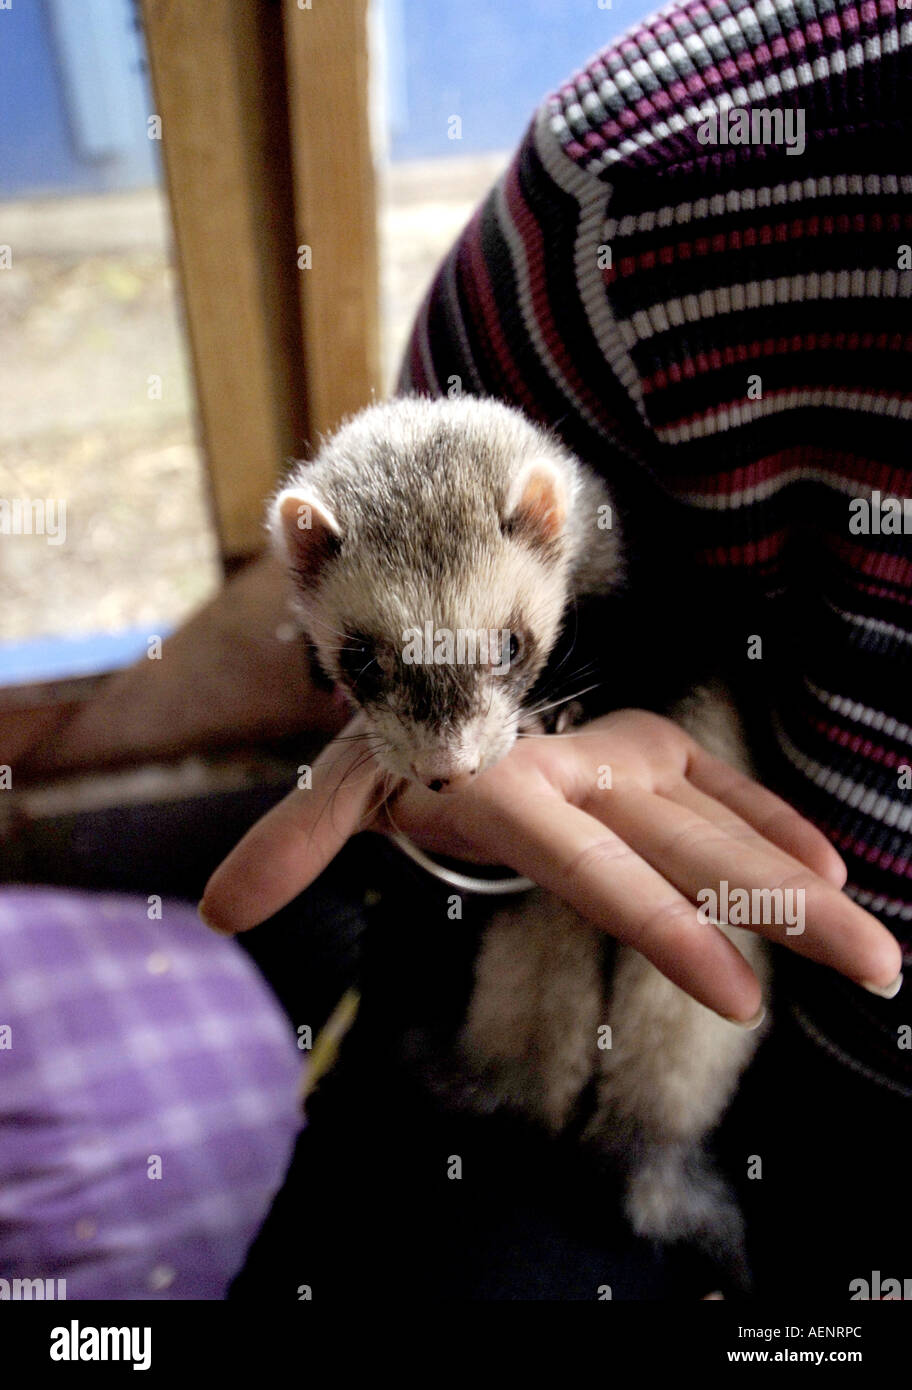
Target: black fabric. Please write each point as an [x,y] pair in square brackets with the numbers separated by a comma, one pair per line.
[370,1203]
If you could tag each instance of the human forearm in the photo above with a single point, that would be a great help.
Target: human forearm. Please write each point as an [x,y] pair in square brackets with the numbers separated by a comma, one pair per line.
[229,675]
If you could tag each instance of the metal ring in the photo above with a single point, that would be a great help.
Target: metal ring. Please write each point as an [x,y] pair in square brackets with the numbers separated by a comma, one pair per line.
[467,882]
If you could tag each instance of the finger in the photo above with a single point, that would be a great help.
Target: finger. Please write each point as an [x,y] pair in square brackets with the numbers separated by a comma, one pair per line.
[453,826]
[685,794]
[786,901]
[587,864]
[286,850]
[774,818]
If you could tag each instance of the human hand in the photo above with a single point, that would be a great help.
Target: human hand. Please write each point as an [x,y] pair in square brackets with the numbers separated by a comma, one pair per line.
[631,858]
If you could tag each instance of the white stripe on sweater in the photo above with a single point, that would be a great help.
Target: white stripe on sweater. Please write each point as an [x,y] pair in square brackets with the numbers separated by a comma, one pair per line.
[829,1046]
[750,199]
[769,85]
[828,285]
[759,492]
[879,904]
[869,801]
[451,293]
[871,624]
[746,412]
[533,327]
[592,197]
[886,724]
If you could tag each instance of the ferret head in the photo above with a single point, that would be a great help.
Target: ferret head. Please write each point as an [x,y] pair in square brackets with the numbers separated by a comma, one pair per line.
[431,546]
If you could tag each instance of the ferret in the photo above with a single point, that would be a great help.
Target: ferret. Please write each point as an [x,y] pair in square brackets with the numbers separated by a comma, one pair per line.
[419,521]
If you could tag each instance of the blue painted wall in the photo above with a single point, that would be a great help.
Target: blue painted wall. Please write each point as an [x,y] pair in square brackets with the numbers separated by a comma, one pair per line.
[488,61]
[64,657]
[74,98]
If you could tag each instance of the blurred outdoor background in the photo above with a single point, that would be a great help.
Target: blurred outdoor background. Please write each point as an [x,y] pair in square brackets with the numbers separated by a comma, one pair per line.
[95,384]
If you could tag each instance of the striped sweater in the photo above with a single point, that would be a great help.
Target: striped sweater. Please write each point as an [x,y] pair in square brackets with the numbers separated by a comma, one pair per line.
[721,327]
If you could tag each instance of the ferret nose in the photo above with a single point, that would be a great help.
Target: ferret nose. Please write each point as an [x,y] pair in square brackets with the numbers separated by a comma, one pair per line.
[443,781]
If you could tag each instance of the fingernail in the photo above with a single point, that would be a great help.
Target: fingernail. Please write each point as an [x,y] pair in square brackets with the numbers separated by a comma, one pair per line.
[889,991]
[748,1024]
[205,918]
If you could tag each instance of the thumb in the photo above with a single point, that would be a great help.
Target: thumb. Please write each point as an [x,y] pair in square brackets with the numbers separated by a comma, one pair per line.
[288,847]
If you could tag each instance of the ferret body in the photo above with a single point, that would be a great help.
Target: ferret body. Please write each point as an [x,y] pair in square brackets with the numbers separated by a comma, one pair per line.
[423,517]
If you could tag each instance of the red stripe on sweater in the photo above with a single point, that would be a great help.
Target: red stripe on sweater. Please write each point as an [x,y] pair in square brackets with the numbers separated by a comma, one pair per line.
[879,858]
[765,234]
[476,284]
[860,744]
[733,354]
[861,472]
[760,551]
[530,232]
[894,569]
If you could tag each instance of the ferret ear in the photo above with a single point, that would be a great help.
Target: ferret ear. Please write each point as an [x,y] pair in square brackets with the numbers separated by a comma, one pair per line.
[537,503]
[304,531]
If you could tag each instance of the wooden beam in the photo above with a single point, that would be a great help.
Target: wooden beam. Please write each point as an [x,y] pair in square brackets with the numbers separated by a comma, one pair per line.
[218,71]
[335,199]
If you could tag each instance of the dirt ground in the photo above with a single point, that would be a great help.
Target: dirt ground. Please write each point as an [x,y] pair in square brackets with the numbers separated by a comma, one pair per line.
[89,310]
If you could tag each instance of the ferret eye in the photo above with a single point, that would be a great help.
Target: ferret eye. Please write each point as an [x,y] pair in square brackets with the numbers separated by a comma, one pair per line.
[318,672]
[358,664]
[515,648]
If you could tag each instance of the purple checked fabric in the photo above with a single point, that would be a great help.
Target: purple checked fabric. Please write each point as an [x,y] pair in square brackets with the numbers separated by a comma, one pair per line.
[128,1047]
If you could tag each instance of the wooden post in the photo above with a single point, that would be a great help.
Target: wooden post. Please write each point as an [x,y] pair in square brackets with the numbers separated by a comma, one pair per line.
[218,71]
[327,56]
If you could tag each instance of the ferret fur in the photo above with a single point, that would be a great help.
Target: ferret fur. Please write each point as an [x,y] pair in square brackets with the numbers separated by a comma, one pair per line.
[415,502]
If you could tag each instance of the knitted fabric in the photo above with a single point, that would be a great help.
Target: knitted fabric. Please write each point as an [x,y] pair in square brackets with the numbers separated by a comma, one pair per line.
[729,322]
